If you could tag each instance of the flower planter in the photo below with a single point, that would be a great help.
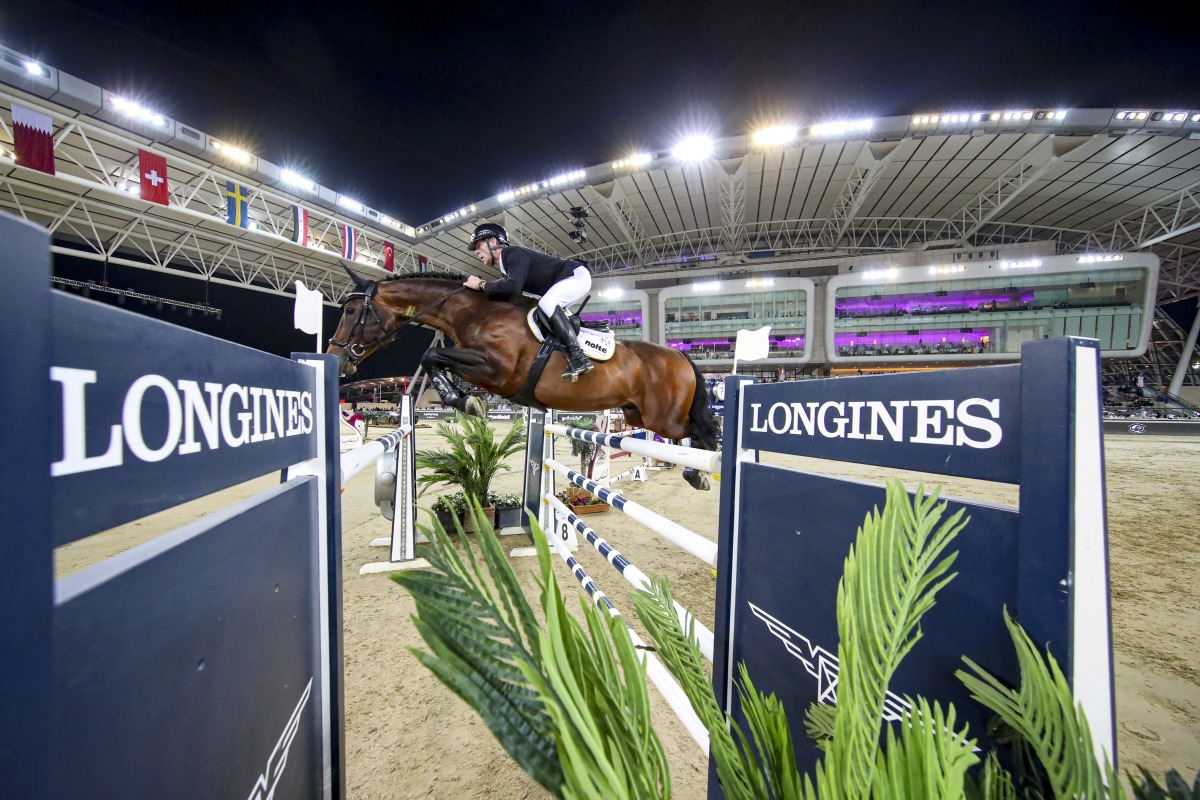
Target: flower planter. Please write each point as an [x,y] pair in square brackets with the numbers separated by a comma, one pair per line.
[468,521]
[508,518]
[594,508]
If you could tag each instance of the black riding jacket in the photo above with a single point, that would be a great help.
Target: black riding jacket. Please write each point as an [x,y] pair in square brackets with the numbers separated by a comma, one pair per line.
[528,270]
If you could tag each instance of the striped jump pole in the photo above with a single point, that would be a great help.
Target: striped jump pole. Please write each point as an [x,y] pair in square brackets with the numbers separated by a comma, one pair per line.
[688,540]
[703,460]
[356,460]
[636,578]
[657,673]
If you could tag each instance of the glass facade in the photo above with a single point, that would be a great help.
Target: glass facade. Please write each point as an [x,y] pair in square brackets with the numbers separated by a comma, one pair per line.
[991,310]
[705,324]
[625,315]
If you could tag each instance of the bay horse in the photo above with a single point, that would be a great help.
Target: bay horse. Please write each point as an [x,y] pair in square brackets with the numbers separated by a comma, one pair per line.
[656,387]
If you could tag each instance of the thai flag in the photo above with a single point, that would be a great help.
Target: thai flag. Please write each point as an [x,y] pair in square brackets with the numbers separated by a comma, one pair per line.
[349,242]
[300,225]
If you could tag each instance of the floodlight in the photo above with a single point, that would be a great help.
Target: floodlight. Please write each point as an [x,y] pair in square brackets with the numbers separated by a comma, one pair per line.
[138,112]
[613,293]
[881,274]
[693,148]
[633,161]
[567,177]
[297,180]
[350,203]
[707,286]
[505,196]
[229,151]
[760,283]
[780,134]
[34,68]
[840,128]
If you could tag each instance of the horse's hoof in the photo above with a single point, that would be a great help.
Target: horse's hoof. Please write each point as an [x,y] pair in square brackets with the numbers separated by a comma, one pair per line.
[476,407]
[696,479]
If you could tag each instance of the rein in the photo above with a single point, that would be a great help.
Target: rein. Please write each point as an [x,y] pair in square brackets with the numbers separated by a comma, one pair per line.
[355,352]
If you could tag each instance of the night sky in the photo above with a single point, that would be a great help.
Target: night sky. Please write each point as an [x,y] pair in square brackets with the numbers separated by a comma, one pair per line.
[419,109]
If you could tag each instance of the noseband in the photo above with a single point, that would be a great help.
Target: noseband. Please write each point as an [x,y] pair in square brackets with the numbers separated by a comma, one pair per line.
[355,352]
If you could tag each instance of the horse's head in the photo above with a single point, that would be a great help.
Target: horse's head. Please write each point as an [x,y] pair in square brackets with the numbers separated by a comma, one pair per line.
[365,326]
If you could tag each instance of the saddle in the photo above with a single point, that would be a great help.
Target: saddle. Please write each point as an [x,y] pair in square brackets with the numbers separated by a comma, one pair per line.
[594,337]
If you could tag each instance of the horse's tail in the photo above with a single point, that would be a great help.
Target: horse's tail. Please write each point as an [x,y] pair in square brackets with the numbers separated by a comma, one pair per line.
[704,428]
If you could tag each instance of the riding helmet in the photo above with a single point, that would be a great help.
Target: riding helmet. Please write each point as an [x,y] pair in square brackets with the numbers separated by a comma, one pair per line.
[486,231]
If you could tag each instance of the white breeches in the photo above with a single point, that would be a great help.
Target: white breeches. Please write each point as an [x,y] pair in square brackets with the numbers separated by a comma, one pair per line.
[566,291]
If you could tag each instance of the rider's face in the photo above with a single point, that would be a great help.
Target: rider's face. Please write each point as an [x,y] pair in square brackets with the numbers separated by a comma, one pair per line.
[483,254]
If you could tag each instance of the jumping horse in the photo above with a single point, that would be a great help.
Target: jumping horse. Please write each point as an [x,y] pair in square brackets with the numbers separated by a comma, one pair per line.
[656,387]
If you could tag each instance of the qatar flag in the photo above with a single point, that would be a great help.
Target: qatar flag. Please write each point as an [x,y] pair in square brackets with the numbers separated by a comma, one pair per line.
[33,139]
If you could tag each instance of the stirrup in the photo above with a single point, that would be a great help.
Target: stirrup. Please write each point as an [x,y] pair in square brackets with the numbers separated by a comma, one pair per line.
[573,372]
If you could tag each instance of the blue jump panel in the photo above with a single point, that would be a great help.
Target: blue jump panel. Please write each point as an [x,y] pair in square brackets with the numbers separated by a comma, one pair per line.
[788,551]
[187,667]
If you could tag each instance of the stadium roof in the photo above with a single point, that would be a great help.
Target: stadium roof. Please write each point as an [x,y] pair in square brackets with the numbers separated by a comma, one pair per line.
[1077,180]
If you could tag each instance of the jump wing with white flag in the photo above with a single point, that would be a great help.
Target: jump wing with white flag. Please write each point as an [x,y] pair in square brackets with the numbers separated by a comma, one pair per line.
[751,346]
[307,315]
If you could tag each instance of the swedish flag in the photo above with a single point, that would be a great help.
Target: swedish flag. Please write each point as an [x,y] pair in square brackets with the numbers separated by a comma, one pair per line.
[237,205]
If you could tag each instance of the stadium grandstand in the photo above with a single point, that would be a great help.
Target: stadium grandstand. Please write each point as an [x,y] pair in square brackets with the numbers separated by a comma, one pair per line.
[939,238]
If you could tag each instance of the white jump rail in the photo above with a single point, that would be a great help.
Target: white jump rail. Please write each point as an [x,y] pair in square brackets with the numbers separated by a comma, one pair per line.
[356,460]
[636,578]
[655,671]
[688,540]
[703,460]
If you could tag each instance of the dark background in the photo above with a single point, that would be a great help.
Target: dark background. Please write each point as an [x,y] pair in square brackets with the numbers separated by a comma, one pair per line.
[420,109]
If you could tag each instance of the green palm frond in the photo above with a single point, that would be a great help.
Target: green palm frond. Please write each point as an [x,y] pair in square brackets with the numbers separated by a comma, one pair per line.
[737,766]
[928,757]
[892,576]
[995,783]
[480,643]
[575,716]
[1043,713]
[772,737]
[818,724]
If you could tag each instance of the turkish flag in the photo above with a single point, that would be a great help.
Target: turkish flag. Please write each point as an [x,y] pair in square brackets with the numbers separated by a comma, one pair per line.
[152,172]
[33,139]
[389,256]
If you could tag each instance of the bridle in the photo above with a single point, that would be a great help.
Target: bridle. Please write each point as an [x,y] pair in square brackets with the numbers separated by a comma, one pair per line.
[366,312]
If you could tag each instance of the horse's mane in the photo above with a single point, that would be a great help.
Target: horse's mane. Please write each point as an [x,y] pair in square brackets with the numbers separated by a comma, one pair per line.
[519,300]
[410,276]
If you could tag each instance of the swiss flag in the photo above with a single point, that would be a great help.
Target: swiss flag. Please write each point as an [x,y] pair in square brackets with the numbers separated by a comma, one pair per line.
[152,172]
[33,139]
[389,256]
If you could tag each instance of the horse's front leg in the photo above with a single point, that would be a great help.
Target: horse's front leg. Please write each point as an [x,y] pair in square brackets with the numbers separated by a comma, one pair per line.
[435,361]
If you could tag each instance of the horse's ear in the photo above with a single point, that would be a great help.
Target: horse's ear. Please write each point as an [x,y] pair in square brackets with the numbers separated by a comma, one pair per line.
[359,283]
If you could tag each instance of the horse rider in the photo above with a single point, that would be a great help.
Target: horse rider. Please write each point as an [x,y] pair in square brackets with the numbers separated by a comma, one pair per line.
[558,283]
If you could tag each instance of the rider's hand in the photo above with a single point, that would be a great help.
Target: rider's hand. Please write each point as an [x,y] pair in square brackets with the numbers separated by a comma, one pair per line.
[473,282]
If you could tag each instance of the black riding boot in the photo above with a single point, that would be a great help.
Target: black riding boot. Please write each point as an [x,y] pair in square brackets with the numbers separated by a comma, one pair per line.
[577,361]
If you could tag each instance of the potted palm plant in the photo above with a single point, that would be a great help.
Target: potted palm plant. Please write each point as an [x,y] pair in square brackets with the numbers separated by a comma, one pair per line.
[473,459]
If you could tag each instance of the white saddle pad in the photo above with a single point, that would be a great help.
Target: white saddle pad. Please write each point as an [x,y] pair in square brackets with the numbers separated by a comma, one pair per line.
[599,346]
